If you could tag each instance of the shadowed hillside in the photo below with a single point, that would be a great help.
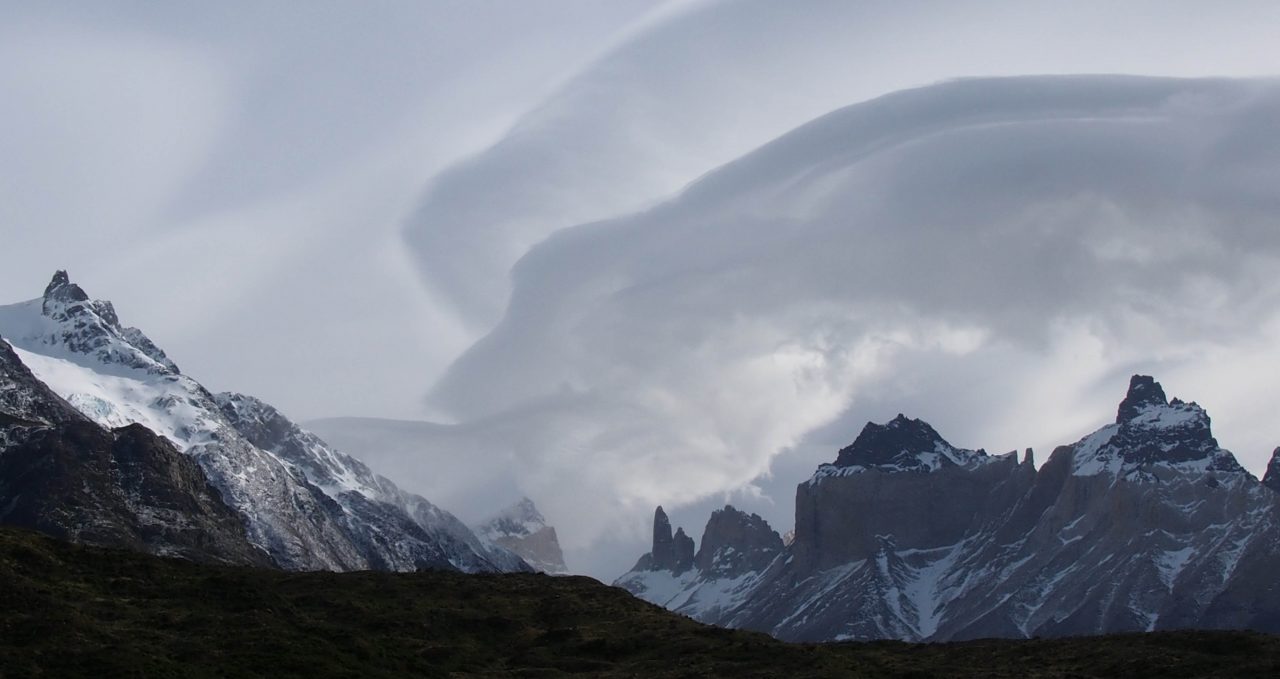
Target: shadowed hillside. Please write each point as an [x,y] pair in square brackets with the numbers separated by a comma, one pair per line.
[75,611]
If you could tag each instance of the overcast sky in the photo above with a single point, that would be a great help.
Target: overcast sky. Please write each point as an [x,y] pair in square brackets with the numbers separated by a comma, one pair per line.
[350,209]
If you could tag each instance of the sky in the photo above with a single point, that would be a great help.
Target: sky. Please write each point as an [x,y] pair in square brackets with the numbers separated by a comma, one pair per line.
[640,252]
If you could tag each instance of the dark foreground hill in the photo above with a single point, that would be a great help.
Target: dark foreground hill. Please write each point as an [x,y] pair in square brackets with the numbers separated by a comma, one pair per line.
[78,611]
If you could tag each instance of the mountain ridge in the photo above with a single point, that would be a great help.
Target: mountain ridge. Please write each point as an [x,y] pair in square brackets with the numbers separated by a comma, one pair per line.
[71,478]
[1145,524]
[309,506]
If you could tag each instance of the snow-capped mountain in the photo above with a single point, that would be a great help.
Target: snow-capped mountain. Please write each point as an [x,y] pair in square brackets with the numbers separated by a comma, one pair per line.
[901,445]
[68,477]
[522,529]
[307,505]
[1144,524]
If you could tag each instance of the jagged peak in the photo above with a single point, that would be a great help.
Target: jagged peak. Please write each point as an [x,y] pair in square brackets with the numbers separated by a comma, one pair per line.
[730,512]
[735,541]
[1150,429]
[682,552]
[661,536]
[1272,477]
[61,288]
[732,516]
[877,441]
[1145,406]
[68,318]
[1144,391]
[525,507]
[520,518]
[901,444]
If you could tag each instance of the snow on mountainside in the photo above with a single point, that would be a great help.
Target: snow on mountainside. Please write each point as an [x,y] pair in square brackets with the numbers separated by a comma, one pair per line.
[1145,524]
[522,529]
[124,488]
[1152,432]
[309,506]
[736,549]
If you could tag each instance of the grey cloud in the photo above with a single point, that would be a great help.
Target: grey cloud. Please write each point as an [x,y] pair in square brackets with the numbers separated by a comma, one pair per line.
[709,84]
[234,174]
[1044,228]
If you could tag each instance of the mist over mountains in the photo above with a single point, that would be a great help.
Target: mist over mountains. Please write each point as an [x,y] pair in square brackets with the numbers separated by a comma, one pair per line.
[893,251]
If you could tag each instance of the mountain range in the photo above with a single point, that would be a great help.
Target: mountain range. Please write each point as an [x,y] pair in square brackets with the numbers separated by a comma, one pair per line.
[106,441]
[1145,524]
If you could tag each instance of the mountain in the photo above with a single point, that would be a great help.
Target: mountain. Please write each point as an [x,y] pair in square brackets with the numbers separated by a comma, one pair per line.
[1271,478]
[1145,524]
[307,505]
[522,529]
[68,477]
[736,549]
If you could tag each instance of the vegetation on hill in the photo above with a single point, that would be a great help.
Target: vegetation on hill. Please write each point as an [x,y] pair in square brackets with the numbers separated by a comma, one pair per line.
[70,611]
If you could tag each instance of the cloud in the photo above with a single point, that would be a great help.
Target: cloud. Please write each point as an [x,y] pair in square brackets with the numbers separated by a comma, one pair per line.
[234,175]
[997,241]
[98,130]
[705,85]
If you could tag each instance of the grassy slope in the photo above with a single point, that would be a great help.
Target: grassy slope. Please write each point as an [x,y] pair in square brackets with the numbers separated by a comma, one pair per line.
[75,611]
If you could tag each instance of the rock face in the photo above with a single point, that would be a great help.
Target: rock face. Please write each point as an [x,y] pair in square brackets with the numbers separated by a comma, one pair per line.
[68,477]
[1272,477]
[91,328]
[389,528]
[734,543]
[736,549]
[522,529]
[308,506]
[663,554]
[670,553]
[1145,524]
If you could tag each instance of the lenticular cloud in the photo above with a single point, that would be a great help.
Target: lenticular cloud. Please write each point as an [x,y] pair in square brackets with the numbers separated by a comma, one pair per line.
[1030,222]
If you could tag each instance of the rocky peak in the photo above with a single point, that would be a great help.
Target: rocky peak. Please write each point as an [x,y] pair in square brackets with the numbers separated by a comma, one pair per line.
[735,542]
[61,289]
[902,444]
[670,552]
[1144,392]
[520,519]
[1272,477]
[66,301]
[682,552]
[880,444]
[91,328]
[1151,429]
[663,549]
[526,510]
[522,529]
